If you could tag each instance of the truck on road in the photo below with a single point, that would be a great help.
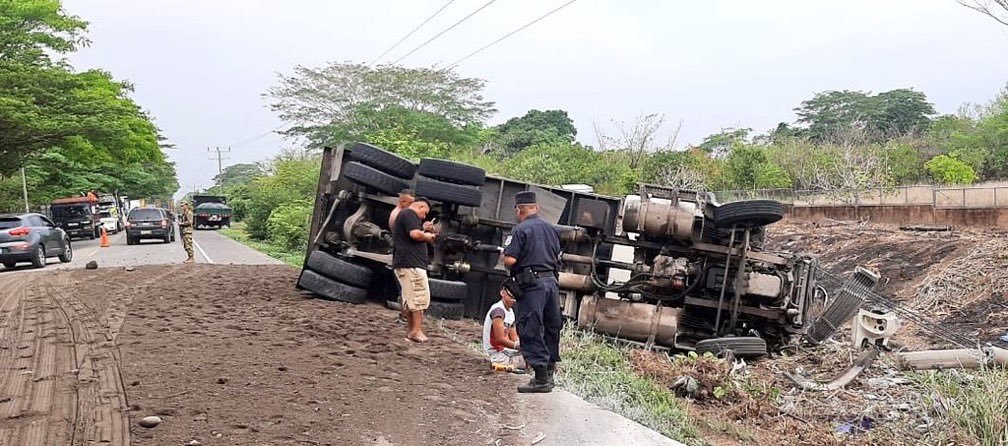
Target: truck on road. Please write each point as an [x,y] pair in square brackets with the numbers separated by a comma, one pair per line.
[77,216]
[694,274]
[211,211]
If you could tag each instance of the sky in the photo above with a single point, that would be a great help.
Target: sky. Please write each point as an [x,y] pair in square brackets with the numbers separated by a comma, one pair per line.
[201,67]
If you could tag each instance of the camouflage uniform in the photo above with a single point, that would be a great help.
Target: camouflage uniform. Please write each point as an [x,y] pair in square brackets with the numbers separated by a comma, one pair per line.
[186,227]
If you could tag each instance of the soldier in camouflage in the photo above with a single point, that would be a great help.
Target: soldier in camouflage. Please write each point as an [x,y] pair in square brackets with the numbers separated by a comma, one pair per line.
[186,227]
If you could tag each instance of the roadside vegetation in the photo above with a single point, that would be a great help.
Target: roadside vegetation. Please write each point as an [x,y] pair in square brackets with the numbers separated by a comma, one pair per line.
[976,401]
[71,131]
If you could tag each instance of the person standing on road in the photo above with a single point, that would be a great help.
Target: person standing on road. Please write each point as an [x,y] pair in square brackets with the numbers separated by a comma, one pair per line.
[186,228]
[533,257]
[409,262]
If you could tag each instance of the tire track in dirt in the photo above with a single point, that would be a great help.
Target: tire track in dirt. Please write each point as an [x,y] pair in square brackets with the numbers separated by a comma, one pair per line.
[60,372]
[101,408]
[35,400]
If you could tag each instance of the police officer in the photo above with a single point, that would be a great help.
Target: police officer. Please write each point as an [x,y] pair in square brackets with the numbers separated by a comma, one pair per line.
[533,257]
[186,227]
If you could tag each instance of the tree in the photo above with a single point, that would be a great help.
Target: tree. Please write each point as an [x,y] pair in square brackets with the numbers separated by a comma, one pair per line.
[719,144]
[995,9]
[833,115]
[534,128]
[571,163]
[342,101]
[637,140]
[749,167]
[948,170]
[31,30]
[238,174]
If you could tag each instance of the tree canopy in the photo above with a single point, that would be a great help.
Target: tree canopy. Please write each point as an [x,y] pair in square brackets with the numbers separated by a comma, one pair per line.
[834,116]
[345,101]
[534,128]
[71,131]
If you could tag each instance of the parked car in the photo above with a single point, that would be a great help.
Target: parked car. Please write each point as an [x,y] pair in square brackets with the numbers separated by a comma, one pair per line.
[32,238]
[149,223]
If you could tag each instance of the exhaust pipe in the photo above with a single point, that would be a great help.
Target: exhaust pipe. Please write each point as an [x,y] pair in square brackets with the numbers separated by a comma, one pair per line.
[635,321]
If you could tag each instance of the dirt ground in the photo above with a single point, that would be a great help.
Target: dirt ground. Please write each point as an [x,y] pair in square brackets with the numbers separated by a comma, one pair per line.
[228,355]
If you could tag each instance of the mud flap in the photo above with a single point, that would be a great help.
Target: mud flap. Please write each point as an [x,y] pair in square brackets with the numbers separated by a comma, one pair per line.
[846,303]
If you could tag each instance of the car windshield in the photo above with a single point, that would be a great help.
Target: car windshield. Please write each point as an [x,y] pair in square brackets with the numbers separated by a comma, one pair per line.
[80,211]
[145,214]
[7,223]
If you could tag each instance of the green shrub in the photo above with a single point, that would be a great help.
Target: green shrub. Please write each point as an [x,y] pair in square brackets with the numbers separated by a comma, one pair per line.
[287,225]
[949,170]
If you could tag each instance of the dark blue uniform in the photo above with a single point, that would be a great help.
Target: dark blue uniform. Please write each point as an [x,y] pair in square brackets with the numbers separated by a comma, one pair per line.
[535,245]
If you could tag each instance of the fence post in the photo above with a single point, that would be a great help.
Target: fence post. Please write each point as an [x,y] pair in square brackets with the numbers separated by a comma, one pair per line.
[906,196]
[964,197]
[995,196]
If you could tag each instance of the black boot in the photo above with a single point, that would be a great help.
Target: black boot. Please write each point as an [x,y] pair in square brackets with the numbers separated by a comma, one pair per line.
[538,383]
[550,371]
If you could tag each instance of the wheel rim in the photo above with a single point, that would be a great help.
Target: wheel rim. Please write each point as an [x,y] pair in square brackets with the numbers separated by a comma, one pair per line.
[41,255]
[69,251]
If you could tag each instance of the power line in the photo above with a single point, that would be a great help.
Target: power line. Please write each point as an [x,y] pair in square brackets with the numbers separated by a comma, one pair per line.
[220,158]
[511,33]
[446,30]
[411,32]
[259,136]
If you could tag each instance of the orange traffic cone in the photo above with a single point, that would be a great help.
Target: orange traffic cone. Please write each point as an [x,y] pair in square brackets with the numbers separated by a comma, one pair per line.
[104,238]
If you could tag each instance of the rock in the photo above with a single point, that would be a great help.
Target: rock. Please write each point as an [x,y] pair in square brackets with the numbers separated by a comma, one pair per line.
[194,443]
[91,265]
[150,422]
[222,380]
[131,269]
[135,383]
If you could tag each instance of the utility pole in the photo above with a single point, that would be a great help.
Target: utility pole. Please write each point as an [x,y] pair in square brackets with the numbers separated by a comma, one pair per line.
[220,157]
[24,189]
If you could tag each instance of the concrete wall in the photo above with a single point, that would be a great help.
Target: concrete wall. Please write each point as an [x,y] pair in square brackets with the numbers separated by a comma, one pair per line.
[905,215]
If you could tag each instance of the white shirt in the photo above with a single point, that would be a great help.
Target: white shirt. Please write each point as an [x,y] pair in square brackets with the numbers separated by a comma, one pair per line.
[509,319]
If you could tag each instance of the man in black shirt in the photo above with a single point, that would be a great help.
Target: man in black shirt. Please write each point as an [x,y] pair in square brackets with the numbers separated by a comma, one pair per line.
[409,261]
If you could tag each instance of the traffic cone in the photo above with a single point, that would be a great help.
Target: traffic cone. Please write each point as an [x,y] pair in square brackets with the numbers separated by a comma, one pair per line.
[104,238]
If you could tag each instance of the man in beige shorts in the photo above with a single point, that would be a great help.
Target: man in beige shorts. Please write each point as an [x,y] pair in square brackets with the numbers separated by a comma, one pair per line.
[409,262]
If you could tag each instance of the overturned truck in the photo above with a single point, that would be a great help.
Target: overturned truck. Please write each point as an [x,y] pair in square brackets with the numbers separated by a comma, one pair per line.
[664,267]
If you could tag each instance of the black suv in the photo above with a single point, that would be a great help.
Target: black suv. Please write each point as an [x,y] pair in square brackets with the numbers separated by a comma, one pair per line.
[153,223]
[32,238]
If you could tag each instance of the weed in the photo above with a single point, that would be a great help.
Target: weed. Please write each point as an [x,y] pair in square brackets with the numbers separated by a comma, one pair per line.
[601,372]
[976,402]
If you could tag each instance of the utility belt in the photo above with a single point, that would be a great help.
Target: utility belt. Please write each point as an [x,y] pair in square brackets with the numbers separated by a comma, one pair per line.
[525,279]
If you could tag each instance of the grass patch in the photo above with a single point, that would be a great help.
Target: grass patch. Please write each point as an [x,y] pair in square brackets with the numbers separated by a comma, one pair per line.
[238,233]
[976,402]
[601,372]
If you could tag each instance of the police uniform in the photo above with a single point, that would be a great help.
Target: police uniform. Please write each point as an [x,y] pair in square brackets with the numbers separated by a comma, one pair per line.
[186,228]
[535,246]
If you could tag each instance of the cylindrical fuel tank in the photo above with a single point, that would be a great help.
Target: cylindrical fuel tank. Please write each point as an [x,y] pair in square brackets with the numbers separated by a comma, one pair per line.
[659,219]
[635,321]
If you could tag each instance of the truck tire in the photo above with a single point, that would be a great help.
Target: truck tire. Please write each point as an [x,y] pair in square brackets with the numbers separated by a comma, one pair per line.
[448,290]
[383,160]
[373,178]
[331,289]
[452,172]
[749,213]
[447,192]
[742,346]
[443,310]
[339,269]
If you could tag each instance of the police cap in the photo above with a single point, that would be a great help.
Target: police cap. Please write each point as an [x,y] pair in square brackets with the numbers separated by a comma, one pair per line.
[525,197]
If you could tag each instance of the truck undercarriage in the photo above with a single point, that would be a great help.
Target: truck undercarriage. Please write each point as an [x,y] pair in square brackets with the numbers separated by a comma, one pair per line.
[693,273]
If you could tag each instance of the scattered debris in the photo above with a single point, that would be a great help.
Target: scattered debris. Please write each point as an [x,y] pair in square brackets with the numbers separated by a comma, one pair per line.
[540,437]
[91,265]
[859,426]
[866,359]
[965,358]
[918,228]
[131,269]
[150,422]
[514,428]
[194,443]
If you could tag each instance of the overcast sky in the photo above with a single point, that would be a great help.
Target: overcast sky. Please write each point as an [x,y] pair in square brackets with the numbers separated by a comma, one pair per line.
[200,67]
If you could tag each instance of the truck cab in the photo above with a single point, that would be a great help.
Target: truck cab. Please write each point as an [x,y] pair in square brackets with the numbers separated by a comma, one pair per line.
[77,216]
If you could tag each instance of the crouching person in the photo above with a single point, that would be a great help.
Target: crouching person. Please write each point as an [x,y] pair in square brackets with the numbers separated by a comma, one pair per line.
[500,337]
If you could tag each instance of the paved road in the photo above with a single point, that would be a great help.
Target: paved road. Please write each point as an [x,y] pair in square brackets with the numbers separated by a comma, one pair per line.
[211,247]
